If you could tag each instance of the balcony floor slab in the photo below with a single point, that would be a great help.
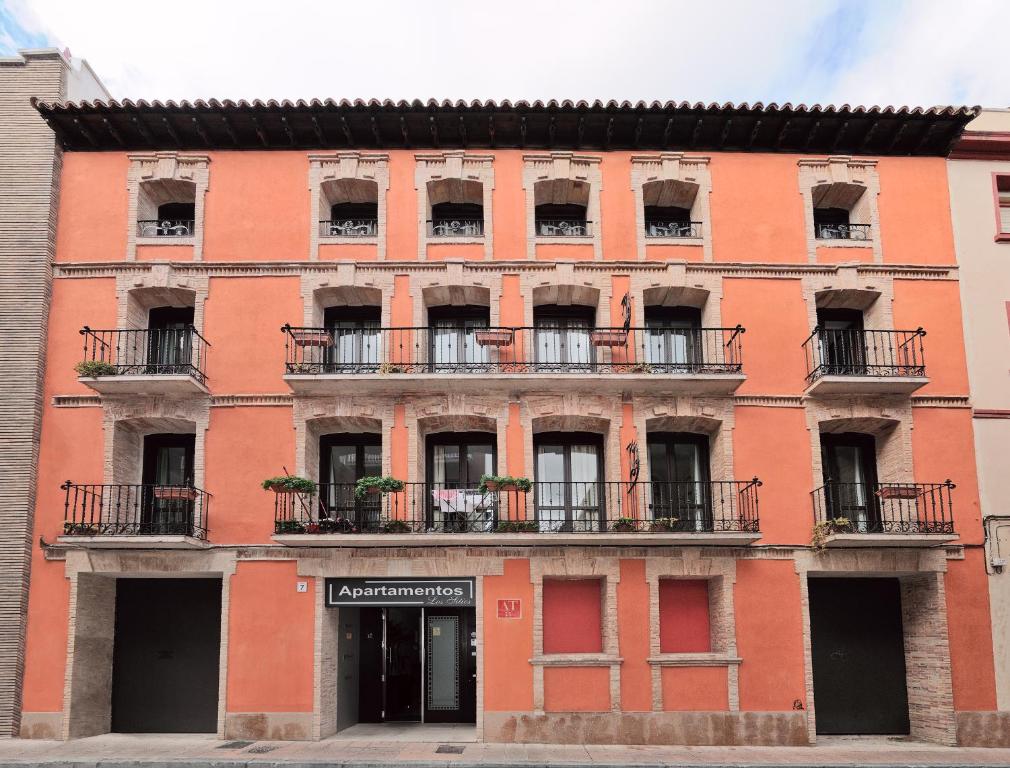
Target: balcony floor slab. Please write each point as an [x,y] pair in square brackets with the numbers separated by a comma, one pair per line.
[866,385]
[134,542]
[504,383]
[843,540]
[153,384]
[363,540]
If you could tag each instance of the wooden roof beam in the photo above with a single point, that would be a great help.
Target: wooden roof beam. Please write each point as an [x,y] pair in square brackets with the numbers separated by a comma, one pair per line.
[112,131]
[259,131]
[171,131]
[198,127]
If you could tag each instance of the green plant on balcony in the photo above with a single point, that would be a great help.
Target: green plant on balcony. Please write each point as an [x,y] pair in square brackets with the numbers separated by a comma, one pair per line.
[337,525]
[517,526]
[395,526]
[824,529]
[92,368]
[391,368]
[624,525]
[289,526]
[374,484]
[664,525]
[289,484]
[80,529]
[505,483]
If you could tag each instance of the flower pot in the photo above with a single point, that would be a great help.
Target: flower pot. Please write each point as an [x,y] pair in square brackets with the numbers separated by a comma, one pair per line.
[609,338]
[495,338]
[491,485]
[312,338]
[168,492]
[278,488]
[373,490]
[898,492]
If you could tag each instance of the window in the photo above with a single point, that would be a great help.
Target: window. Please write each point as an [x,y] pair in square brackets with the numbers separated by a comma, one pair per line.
[569,487]
[843,347]
[168,462]
[840,204]
[561,220]
[456,461]
[679,469]
[1002,184]
[343,460]
[572,613]
[684,625]
[170,340]
[453,343]
[166,208]
[674,340]
[352,219]
[562,338]
[849,464]
[357,343]
[670,221]
[457,220]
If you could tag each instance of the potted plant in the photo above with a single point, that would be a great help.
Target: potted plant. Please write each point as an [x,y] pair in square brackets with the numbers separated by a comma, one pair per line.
[494,337]
[641,368]
[824,529]
[374,484]
[93,368]
[289,484]
[80,529]
[337,525]
[289,526]
[663,525]
[390,368]
[517,526]
[608,337]
[491,483]
[624,525]
[395,526]
[175,492]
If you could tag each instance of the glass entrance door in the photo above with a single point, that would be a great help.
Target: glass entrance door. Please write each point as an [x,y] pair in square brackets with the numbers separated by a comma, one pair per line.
[850,478]
[357,346]
[843,348]
[453,347]
[343,460]
[166,504]
[674,339]
[678,465]
[456,462]
[170,341]
[450,665]
[569,488]
[562,339]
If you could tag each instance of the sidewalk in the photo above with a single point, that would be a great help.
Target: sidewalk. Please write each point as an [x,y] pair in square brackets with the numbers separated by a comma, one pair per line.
[122,751]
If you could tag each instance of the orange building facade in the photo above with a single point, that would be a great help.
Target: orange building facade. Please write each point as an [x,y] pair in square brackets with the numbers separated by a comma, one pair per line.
[606,424]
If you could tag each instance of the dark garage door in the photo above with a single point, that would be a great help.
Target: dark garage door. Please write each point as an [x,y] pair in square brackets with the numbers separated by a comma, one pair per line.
[858,654]
[165,655]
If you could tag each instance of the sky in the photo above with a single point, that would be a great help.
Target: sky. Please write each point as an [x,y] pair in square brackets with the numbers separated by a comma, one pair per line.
[914,52]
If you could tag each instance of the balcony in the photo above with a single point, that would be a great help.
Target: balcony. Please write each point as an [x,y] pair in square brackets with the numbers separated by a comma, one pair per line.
[598,513]
[167,361]
[135,516]
[360,227]
[884,514]
[455,228]
[563,228]
[842,231]
[672,228]
[166,228]
[321,361]
[856,362]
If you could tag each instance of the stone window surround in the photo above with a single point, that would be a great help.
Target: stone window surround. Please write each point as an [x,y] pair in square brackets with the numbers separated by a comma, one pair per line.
[851,288]
[334,166]
[163,166]
[572,564]
[161,285]
[927,652]
[453,164]
[720,573]
[677,167]
[841,169]
[551,166]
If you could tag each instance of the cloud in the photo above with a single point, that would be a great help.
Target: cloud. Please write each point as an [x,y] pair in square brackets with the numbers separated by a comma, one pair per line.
[721,50]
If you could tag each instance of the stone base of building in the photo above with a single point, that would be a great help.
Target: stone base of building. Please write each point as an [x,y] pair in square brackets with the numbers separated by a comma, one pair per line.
[683,728]
[41,725]
[983,729]
[273,726]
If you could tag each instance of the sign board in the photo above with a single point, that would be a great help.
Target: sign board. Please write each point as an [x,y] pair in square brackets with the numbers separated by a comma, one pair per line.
[449,592]
[510,609]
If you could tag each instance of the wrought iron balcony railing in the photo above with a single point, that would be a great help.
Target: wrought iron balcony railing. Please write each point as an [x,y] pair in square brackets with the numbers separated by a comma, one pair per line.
[166,228]
[842,231]
[672,228]
[148,351]
[562,507]
[543,349]
[864,353]
[885,507]
[135,510]
[456,228]
[563,228]
[349,228]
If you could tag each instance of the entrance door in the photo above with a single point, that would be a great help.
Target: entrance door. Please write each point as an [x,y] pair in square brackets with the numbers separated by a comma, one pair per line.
[849,463]
[168,461]
[857,649]
[455,464]
[343,460]
[678,465]
[418,664]
[166,649]
[569,490]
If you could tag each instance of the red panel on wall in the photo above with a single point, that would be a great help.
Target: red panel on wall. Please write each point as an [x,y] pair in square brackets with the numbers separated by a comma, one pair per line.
[572,621]
[683,616]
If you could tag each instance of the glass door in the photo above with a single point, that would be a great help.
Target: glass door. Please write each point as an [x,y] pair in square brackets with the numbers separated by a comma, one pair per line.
[678,464]
[456,461]
[450,665]
[453,333]
[357,344]
[843,348]
[170,340]
[673,339]
[569,488]
[562,339]
[850,478]
[167,498]
[343,460]
[402,664]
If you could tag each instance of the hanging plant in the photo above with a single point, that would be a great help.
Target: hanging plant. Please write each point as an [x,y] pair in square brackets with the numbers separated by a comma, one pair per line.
[374,484]
[821,531]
